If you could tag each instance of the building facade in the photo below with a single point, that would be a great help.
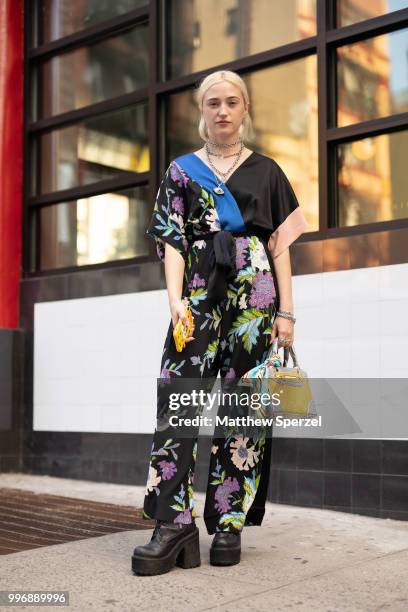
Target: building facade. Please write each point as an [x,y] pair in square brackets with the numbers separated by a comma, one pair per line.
[96,98]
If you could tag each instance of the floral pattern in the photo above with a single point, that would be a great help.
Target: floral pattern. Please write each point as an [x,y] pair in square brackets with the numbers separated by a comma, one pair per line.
[243,456]
[231,337]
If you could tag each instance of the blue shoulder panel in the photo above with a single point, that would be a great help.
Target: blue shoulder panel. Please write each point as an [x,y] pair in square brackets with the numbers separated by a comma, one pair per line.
[226,205]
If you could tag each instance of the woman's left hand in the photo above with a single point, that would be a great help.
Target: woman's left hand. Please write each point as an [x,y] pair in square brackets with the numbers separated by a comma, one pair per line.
[283,329]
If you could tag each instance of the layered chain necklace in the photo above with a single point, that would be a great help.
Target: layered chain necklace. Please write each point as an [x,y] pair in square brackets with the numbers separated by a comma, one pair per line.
[218,189]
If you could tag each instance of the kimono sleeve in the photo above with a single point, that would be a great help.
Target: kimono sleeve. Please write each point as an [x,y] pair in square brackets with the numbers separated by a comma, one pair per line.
[168,222]
[287,216]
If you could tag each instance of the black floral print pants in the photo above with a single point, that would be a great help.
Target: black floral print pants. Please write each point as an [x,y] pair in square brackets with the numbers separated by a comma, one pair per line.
[231,336]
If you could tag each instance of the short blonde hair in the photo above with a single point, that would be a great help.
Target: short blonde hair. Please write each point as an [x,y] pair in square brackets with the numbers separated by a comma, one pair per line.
[246,130]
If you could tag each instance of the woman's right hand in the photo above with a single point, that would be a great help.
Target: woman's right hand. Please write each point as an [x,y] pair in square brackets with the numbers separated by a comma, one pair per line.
[178,311]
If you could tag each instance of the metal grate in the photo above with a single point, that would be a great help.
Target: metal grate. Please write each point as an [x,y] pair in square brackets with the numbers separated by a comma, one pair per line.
[30,520]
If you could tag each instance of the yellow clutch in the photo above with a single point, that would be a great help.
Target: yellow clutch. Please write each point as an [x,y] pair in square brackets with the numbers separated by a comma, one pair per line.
[181,332]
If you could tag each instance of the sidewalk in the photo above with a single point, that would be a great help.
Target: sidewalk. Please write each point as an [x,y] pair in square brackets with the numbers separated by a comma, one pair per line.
[300,559]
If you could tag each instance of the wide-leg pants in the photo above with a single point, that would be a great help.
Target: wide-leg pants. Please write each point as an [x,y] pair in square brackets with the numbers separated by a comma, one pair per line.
[230,341]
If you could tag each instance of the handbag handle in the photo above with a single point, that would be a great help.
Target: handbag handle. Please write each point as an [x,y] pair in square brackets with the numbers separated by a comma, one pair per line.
[286,351]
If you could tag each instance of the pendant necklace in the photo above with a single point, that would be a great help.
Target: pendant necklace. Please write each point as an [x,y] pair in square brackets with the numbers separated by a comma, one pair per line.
[218,189]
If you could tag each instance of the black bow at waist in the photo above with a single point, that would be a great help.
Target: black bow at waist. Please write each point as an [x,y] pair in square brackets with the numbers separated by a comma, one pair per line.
[222,260]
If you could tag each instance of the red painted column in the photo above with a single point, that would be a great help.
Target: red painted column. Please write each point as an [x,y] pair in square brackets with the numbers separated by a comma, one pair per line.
[11,158]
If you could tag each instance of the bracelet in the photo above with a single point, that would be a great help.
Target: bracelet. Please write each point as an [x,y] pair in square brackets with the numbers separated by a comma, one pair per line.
[285,314]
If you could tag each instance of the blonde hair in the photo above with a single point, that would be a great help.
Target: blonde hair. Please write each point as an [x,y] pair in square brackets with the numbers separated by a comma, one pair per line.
[245,129]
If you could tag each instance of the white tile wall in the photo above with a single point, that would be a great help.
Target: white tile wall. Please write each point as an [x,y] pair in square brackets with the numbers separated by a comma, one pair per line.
[96,360]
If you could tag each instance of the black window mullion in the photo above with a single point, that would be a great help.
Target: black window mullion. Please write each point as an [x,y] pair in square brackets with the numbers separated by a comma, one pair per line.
[29,8]
[365,129]
[126,180]
[369,28]
[91,111]
[323,96]
[153,133]
[95,33]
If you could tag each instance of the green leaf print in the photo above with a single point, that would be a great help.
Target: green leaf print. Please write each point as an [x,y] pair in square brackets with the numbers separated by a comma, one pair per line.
[178,507]
[250,488]
[246,274]
[236,519]
[233,295]
[207,197]
[198,295]
[247,325]
[204,194]
[253,243]
[216,315]
[209,354]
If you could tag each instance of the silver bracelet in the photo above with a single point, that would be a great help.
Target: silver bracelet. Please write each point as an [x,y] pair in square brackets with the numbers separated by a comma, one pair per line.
[285,314]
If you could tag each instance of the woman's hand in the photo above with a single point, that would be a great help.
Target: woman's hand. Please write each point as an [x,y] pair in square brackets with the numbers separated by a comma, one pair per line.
[283,329]
[178,311]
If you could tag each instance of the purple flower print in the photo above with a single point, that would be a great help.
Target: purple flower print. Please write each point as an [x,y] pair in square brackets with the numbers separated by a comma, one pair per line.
[177,175]
[165,373]
[263,290]
[196,281]
[223,492]
[178,205]
[240,262]
[231,373]
[168,469]
[240,245]
[184,517]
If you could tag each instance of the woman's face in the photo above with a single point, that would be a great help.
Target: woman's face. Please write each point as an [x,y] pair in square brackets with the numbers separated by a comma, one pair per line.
[223,110]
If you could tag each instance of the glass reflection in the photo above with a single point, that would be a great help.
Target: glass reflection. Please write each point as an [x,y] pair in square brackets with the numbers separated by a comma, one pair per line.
[62,17]
[95,229]
[94,73]
[353,11]
[373,78]
[284,113]
[95,149]
[205,33]
[372,179]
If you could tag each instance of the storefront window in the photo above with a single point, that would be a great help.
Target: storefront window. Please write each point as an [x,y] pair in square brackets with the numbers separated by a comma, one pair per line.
[93,230]
[284,114]
[62,17]
[372,179]
[97,148]
[373,78]
[205,33]
[353,11]
[93,73]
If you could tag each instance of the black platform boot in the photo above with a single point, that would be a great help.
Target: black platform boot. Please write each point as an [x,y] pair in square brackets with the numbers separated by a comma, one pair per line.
[225,548]
[171,544]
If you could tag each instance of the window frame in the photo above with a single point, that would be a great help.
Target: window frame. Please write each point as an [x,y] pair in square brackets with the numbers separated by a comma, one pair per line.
[324,45]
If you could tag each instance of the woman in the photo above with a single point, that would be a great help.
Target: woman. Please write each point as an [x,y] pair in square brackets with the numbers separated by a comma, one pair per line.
[223,221]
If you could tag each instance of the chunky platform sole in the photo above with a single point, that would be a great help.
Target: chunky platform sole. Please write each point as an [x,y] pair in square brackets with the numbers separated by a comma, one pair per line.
[225,557]
[185,554]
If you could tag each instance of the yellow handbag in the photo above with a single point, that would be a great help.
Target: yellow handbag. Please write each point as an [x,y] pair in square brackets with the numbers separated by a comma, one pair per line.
[290,384]
[181,332]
